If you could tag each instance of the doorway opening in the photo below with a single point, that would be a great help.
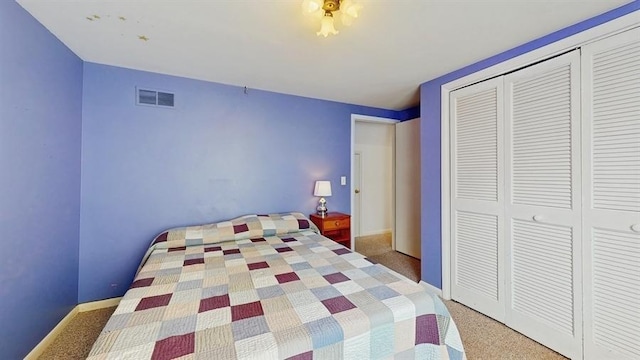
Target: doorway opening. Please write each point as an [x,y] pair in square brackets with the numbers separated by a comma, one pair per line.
[382,190]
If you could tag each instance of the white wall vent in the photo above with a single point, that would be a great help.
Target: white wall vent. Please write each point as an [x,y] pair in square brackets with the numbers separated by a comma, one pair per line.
[150,97]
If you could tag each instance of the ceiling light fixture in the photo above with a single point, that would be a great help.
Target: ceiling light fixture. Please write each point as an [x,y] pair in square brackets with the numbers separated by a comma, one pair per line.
[328,10]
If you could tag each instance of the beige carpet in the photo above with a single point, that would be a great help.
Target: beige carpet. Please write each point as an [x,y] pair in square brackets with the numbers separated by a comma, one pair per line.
[78,337]
[483,338]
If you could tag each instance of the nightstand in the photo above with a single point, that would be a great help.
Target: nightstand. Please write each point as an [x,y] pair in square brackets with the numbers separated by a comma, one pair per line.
[336,226]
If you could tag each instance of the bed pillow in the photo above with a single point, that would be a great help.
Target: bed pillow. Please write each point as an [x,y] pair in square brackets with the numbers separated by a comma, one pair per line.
[244,227]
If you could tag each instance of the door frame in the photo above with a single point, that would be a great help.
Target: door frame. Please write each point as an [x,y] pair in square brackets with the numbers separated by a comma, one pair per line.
[615,26]
[380,120]
[359,201]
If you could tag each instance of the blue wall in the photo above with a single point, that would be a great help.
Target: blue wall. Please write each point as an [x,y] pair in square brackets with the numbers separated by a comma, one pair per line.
[219,154]
[40,128]
[430,101]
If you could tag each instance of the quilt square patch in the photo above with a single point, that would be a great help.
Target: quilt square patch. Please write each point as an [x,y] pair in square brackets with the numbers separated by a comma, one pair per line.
[240,228]
[174,347]
[249,327]
[427,330]
[244,311]
[338,304]
[142,283]
[336,278]
[214,302]
[304,356]
[287,277]
[303,224]
[161,238]
[193,261]
[258,265]
[341,251]
[153,301]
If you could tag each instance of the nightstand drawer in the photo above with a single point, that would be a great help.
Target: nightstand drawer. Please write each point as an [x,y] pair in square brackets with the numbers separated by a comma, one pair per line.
[332,224]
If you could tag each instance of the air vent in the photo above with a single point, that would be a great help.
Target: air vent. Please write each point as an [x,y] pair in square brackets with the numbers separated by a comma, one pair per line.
[154,98]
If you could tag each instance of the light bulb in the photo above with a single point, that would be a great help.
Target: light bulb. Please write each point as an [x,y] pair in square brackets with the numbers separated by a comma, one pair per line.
[311,7]
[326,26]
[349,10]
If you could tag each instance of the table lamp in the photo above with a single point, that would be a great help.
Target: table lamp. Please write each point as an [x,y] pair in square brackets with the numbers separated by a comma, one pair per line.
[322,189]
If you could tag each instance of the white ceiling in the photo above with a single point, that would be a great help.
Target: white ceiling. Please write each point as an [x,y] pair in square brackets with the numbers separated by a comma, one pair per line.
[380,61]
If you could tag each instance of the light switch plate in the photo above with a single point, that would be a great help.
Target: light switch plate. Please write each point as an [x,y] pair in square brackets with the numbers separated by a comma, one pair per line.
[343,180]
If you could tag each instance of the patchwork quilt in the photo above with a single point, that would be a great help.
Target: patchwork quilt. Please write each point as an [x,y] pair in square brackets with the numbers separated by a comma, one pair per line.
[271,287]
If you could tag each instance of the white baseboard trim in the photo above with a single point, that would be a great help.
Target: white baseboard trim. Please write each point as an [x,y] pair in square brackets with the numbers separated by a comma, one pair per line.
[44,343]
[377,232]
[51,336]
[100,304]
[430,288]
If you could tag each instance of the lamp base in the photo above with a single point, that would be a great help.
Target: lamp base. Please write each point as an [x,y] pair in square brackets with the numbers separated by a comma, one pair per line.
[322,208]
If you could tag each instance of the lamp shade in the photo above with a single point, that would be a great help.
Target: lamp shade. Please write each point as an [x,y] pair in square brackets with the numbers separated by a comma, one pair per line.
[326,26]
[323,188]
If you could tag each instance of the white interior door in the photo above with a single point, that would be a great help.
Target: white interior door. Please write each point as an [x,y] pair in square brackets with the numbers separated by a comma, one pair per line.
[543,203]
[611,173]
[357,199]
[407,187]
[477,197]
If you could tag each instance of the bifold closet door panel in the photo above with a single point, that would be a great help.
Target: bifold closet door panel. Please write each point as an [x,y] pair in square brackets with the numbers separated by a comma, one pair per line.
[477,210]
[543,203]
[611,180]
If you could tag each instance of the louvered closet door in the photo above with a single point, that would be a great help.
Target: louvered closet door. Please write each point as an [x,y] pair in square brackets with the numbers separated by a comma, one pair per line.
[611,173]
[543,203]
[477,197]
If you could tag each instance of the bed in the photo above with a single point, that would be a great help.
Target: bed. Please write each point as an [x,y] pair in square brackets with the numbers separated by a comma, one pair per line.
[271,287]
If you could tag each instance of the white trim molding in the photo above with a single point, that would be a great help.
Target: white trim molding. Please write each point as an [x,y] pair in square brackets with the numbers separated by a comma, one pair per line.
[430,288]
[100,304]
[377,232]
[595,33]
[53,334]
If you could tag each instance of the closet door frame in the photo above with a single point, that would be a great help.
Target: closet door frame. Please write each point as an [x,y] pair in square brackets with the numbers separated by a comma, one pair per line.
[595,33]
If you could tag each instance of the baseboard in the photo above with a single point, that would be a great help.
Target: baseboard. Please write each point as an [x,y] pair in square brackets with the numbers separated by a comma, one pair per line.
[430,288]
[100,304]
[378,232]
[51,336]
[44,343]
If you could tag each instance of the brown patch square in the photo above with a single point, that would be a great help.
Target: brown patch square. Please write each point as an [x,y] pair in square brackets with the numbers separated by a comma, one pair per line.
[214,302]
[153,301]
[338,304]
[142,283]
[174,347]
[258,265]
[240,228]
[336,278]
[193,261]
[287,277]
[161,238]
[244,311]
